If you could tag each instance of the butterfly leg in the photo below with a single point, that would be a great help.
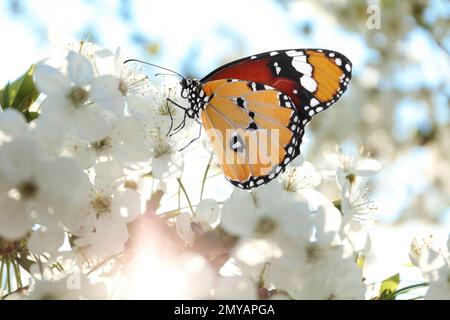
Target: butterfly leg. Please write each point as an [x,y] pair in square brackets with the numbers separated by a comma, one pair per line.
[196,138]
[180,126]
[171,119]
[176,104]
[183,122]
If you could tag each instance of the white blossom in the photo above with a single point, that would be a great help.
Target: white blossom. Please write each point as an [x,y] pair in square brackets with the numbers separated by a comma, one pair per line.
[439,285]
[300,177]
[12,125]
[205,218]
[320,272]
[345,165]
[358,213]
[433,260]
[255,214]
[127,144]
[35,189]
[68,102]
[113,208]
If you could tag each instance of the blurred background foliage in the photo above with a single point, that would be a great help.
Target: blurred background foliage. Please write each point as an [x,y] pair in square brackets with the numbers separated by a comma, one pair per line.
[397,108]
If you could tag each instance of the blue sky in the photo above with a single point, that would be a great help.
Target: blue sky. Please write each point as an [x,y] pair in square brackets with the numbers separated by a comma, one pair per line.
[208,31]
[199,35]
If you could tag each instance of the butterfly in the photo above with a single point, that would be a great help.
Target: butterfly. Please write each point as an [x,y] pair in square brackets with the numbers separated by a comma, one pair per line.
[255,109]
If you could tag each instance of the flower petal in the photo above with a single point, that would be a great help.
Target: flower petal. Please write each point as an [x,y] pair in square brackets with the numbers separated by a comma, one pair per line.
[183,227]
[51,81]
[368,167]
[208,210]
[105,93]
[327,217]
[108,171]
[90,124]
[59,178]
[12,123]
[14,222]
[45,240]
[239,215]
[18,160]
[79,69]
[127,205]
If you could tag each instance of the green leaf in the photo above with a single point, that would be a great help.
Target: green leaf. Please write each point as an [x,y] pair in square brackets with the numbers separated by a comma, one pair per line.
[389,285]
[4,96]
[21,93]
[30,115]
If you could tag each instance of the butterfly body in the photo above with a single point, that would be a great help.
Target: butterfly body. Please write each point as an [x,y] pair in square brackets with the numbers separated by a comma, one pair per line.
[255,109]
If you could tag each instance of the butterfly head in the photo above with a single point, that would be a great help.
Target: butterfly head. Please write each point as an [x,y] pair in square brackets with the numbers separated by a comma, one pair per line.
[192,91]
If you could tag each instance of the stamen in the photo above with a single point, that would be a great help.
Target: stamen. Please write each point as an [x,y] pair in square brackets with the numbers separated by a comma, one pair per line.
[78,96]
[28,190]
[101,204]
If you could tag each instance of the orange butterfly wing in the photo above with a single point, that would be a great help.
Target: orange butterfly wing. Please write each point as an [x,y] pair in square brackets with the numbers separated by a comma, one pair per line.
[255,130]
[313,78]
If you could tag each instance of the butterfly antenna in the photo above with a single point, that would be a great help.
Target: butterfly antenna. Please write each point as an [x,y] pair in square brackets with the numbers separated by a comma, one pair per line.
[165,74]
[153,65]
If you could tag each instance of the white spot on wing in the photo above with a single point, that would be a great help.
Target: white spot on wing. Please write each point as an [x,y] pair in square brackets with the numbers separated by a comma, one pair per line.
[314,102]
[302,67]
[308,83]
[347,67]
[300,59]
[338,61]
[237,145]
[292,53]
